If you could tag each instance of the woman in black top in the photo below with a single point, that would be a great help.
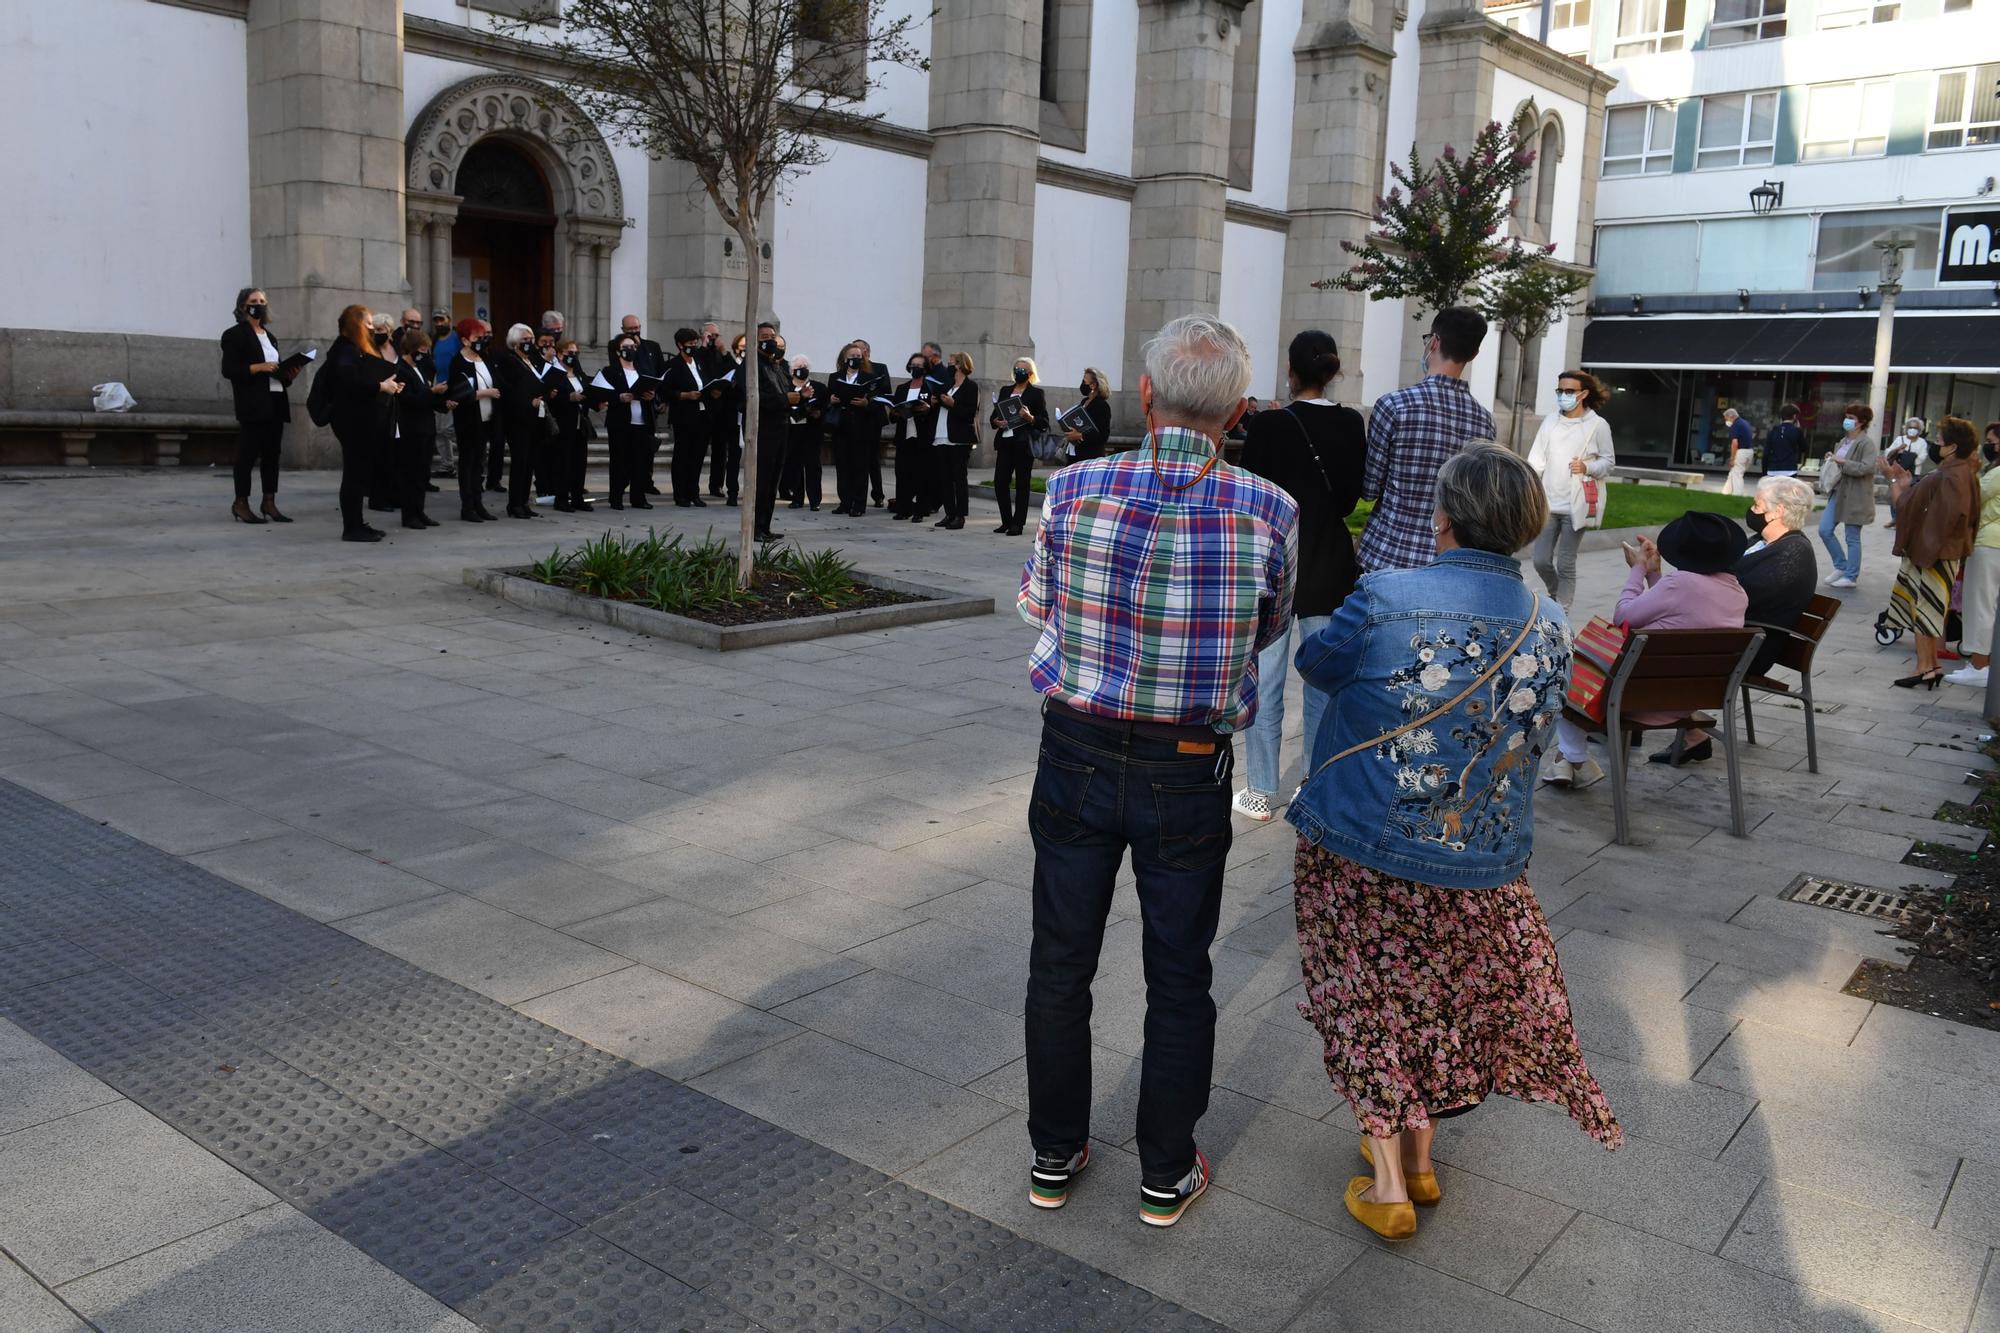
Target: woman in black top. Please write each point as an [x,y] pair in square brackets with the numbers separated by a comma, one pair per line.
[517,373]
[417,409]
[1095,433]
[1013,455]
[1313,448]
[854,426]
[361,396]
[804,431]
[250,364]
[572,408]
[629,419]
[916,430]
[961,432]
[474,397]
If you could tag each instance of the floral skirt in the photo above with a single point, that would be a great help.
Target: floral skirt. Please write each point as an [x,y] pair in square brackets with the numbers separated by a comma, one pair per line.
[1921,599]
[1429,999]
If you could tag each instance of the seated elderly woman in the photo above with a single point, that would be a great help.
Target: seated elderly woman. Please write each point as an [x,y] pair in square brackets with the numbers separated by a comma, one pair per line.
[1700,593]
[1779,570]
[1429,968]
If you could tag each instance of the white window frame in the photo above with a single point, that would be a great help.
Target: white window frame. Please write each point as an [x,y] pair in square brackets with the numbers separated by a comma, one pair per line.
[1647,153]
[1964,126]
[1855,14]
[1657,38]
[1748,152]
[1571,8]
[1861,88]
[1768,24]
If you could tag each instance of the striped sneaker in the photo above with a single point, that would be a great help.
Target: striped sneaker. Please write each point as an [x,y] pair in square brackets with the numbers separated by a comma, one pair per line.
[1050,1177]
[1163,1207]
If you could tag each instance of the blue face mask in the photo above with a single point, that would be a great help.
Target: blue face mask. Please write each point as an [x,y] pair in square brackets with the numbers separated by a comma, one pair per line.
[1848,423]
[1566,402]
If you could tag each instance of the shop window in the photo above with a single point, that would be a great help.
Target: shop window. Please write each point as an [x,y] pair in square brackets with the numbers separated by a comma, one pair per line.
[1846,257]
[1639,140]
[1646,26]
[1646,257]
[1847,120]
[1739,21]
[1757,254]
[1243,97]
[1965,111]
[1737,130]
[1065,85]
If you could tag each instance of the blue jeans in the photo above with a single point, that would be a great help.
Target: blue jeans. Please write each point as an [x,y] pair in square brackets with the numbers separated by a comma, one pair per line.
[1845,562]
[1274,669]
[1099,790]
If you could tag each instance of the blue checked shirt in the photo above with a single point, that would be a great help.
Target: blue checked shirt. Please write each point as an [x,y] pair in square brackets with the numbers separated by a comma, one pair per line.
[1411,433]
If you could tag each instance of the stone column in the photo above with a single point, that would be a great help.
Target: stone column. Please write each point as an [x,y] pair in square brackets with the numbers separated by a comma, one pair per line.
[582,313]
[1339,123]
[326,167]
[695,266]
[441,262]
[417,260]
[438,212]
[979,227]
[601,299]
[1180,165]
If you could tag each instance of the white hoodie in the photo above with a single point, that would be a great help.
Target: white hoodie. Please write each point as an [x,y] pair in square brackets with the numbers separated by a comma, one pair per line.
[1563,439]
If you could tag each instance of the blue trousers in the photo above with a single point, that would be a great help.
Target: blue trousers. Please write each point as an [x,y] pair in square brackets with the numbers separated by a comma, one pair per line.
[1847,562]
[1274,669]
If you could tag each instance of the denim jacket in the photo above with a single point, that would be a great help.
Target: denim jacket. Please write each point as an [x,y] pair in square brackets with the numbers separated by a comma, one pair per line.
[1450,802]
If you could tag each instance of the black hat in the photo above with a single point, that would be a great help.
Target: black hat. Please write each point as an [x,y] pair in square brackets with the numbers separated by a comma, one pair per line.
[1703,543]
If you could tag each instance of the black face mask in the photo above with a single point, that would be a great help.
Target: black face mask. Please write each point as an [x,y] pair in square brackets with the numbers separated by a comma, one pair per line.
[1756,522]
[258,311]
[381,340]
[479,345]
[1990,452]
[798,374]
[687,350]
[916,370]
[627,350]
[854,363]
[769,347]
[1020,376]
[1084,388]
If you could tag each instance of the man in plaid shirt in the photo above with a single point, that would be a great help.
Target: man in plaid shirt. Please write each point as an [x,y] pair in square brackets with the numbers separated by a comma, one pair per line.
[1411,433]
[1156,578]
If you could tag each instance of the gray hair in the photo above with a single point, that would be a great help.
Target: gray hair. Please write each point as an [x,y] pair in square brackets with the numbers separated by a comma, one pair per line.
[1790,499]
[1494,500]
[382,323]
[1918,422]
[802,362]
[551,318]
[1200,368]
[1731,412]
[518,334]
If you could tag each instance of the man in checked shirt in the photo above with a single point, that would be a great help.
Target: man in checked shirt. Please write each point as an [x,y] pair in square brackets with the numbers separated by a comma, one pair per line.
[1411,433]
[1157,576]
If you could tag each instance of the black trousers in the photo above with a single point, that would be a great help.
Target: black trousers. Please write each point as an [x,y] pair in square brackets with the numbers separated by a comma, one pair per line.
[914,472]
[689,447]
[802,467]
[725,450]
[770,467]
[413,473]
[496,448]
[851,452]
[630,447]
[471,463]
[358,452]
[257,445]
[521,459]
[949,471]
[385,485]
[1012,465]
[875,467]
[567,483]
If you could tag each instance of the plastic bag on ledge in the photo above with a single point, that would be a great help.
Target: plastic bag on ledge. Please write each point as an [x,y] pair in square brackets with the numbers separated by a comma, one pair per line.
[113,397]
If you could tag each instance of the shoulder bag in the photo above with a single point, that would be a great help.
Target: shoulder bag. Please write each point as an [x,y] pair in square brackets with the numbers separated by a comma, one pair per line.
[1594,654]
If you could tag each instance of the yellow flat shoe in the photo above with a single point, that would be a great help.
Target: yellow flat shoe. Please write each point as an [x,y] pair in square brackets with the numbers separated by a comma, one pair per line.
[1390,1221]
[1423,1185]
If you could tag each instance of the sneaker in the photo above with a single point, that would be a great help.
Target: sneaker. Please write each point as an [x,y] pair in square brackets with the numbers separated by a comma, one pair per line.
[1163,1207]
[1253,805]
[1840,581]
[1051,1176]
[1969,675]
[1558,772]
[1586,773]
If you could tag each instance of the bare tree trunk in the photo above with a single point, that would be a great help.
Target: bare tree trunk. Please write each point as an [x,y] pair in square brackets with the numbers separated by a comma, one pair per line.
[752,386]
[1520,374]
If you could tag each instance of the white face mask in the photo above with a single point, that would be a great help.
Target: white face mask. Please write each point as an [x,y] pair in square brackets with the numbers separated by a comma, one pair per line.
[1566,402]
[1912,432]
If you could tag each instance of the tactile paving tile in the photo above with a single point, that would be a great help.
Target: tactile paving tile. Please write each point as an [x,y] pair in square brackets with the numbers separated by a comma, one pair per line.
[259,1122]
[1176,1319]
[785,1289]
[75,913]
[40,960]
[579,1282]
[1032,1288]
[687,1237]
[577,1179]
[458,1241]
[192,966]
[491,1050]
[787,1186]
[382,1167]
[591,1090]
[908,1242]
[337,980]
[258,1003]
[29,881]
[484,1133]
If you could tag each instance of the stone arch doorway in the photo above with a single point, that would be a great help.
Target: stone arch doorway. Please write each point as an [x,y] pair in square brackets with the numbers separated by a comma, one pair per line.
[527,176]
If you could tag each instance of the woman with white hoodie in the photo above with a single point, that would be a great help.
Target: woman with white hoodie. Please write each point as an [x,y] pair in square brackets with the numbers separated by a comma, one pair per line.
[1573,444]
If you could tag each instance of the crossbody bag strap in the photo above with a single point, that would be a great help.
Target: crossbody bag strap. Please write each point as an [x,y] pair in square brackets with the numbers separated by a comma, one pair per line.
[1534,613]
[1312,451]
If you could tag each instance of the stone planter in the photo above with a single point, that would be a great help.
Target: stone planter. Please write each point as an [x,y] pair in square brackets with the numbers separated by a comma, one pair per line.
[511,585]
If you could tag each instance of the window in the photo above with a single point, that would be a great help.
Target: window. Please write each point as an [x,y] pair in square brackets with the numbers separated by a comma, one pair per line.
[1738,21]
[1846,258]
[833,47]
[1570,14]
[1737,130]
[1065,81]
[1854,13]
[1966,111]
[1646,257]
[1520,207]
[1546,158]
[1646,26]
[1954,6]
[1639,140]
[1846,120]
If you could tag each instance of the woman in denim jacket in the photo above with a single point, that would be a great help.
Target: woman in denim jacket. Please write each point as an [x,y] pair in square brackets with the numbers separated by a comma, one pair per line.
[1429,968]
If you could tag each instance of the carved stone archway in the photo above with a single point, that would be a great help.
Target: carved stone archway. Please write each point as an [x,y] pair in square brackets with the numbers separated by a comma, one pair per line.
[544,123]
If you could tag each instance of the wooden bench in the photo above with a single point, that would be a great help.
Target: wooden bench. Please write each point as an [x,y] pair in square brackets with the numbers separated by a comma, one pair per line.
[165,433]
[1801,641]
[1658,476]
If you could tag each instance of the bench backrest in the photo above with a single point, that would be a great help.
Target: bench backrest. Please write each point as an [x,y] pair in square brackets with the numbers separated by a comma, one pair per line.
[1680,670]
[1813,623]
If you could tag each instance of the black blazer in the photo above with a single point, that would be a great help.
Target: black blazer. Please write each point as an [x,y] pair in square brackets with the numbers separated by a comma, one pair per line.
[913,426]
[650,361]
[519,388]
[360,410]
[571,418]
[620,414]
[461,381]
[1096,429]
[255,402]
[1032,398]
[860,414]
[961,419]
[416,407]
[687,418]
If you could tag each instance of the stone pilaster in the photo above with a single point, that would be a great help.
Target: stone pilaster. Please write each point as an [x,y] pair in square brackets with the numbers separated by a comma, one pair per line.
[1180,165]
[979,228]
[1339,122]
[695,265]
[326,167]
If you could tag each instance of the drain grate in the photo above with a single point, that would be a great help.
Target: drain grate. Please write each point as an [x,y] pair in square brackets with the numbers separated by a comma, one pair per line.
[1853,898]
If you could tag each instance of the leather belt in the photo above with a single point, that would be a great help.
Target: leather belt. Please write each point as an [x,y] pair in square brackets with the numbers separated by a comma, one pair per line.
[1186,733]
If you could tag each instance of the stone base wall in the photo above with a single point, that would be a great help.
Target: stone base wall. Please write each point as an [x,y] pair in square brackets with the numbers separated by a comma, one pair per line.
[50,370]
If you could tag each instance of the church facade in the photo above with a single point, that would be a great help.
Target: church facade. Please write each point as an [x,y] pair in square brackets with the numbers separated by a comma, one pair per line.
[1066,176]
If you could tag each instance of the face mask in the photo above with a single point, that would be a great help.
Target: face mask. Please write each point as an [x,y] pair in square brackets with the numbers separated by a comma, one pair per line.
[768,347]
[1566,401]
[916,369]
[1756,522]
[1931,452]
[1912,432]
[258,311]
[1990,451]
[1084,388]
[627,351]
[381,340]
[1848,423]
[853,363]
[479,344]
[687,350]
[1020,375]
[799,374]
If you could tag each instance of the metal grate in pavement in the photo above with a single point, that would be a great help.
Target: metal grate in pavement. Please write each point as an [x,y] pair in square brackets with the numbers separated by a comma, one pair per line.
[1861,901]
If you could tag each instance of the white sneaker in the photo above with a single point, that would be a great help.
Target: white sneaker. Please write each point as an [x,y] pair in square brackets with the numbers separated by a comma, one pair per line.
[1558,772]
[1253,805]
[1840,581]
[1968,675]
[1587,772]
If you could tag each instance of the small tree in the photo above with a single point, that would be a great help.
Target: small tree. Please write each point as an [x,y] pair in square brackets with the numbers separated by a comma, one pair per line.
[740,90]
[1526,302]
[1434,245]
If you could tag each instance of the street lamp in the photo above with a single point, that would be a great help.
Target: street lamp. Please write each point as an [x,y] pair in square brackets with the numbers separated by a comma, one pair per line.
[1767,197]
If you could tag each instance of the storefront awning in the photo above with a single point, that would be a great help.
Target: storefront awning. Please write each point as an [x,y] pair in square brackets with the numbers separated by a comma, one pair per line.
[1937,344]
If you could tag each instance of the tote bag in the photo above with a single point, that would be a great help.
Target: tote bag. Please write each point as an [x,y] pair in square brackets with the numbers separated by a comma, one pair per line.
[1594,654]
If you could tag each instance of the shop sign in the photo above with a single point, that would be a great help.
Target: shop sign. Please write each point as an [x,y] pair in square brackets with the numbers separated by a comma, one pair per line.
[1970,247]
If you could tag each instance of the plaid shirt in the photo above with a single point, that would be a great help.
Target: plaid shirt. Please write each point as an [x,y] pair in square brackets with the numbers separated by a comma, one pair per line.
[1411,433]
[1153,602]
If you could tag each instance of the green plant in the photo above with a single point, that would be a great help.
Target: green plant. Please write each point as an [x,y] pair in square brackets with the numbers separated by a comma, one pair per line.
[1526,302]
[553,568]
[826,577]
[670,574]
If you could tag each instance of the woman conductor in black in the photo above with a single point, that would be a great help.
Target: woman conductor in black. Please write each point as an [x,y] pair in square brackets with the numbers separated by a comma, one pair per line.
[361,390]
[475,411]
[257,379]
[518,374]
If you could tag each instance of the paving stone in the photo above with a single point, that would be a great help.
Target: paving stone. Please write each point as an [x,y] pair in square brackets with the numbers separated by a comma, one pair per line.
[26,1306]
[380,1168]
[581,1281]
[683,1235]
[1973,1209]
[1677,1112]
[1647,1027]
[528,883]
[456,1242]
[1898,1174]
[577,1179]
[659,1021]
[1373,1294]
[178,819]
[965,963]
[829,919]
[942,1035]
[38,1085]
[789,1187]
[44,960]
[899,882]
[325,881]
[1811,1011]
[1908,1037]
[783,1288]
[272,1269]
[1871,1258]
[906,1242]
[756,967]
[1585,953]
[1029,1287]
[482,947]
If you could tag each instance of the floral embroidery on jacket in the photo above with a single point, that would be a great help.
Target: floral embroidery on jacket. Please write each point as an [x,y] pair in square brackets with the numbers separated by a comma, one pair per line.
[1454,773]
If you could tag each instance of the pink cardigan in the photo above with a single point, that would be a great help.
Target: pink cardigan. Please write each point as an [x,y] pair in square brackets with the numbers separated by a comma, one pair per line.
[1679,600]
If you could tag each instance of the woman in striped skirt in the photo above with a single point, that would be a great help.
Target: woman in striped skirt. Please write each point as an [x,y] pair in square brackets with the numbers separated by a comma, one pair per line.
[1936,519]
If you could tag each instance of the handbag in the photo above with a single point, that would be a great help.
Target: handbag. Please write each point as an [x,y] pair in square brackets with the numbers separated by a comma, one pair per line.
[1594,654]
[1534,614]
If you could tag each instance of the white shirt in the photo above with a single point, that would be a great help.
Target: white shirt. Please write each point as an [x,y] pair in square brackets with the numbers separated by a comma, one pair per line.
[271,355]
[1563,439]
[638,408]
[484,380]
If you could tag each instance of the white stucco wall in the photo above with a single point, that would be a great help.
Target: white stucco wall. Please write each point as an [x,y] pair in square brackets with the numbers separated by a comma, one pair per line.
[824,299]
[1076,311]
[1253,266]
[113,228]
[1509,92]
[1114,74]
